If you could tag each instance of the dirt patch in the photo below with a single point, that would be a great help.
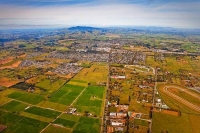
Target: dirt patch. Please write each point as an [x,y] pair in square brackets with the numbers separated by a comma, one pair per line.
[32,80]
[69,76]
[8,82]
[7,60]
[2,127]
[22,56]
[14,65]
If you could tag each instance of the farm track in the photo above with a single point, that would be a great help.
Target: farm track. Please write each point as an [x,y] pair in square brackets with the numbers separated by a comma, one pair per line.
[181,100]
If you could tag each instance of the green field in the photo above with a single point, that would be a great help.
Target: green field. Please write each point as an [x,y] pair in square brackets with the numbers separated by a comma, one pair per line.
[91,100]
[66,123]
[56,129]
[26,97]
[42,112]
[67,94]
[14,106]
[7,118]
[26,125]
[87,125]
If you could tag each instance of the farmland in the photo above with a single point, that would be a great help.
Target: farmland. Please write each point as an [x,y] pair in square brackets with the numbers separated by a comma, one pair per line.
[94,81]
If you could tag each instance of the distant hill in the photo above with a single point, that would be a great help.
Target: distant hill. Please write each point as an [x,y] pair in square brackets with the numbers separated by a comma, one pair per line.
[83,28]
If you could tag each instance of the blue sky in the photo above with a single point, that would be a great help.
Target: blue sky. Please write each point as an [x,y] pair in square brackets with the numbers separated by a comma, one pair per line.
[166,13]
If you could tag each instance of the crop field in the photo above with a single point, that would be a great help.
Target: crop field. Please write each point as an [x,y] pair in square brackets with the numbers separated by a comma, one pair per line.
[94,74]
[26,125]
[42,112]
[14,106]
[56,129]
[67,94]
[91,100]
[65,123]
[7,118]
[26,97]
[52,105]
[46,84]
[78,82]
[87,125]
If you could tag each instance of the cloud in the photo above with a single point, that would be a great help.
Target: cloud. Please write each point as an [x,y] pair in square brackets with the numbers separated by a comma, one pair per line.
[105,13]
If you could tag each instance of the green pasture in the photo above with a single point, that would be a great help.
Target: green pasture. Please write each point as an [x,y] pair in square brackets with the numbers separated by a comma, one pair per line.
[26,97]
[7,118]
[26,125]
[56,129]
[43,112]
[14,106]
[66,123]
[88,125]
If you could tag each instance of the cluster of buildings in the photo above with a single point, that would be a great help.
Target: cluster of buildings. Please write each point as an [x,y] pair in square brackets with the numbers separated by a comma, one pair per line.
[120,57]
[67,68]
[127,57]
[91,56]
[28,63]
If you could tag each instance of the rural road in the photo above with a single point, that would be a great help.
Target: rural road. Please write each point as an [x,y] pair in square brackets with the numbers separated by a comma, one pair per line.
[183,101]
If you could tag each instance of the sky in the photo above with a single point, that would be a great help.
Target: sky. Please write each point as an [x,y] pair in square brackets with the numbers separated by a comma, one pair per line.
[101,13]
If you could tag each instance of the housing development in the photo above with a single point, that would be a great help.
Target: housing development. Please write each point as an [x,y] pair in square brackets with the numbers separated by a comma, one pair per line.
[98,80]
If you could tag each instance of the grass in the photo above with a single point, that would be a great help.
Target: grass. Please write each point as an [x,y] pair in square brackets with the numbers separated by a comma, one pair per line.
[26,125]
[50,87]
[7,118]
[52,105]
[195,120]
[14,106]
[56,129]
[70,117]
[96,73]
[26,97]
[67,94]
[141,122]
[97,91]
[87,125]
[171,123]
[43,112]
[66,123]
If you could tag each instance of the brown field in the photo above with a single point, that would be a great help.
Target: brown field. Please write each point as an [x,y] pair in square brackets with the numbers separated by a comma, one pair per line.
[2,127]
[7,60]
[8,82]
[14,65]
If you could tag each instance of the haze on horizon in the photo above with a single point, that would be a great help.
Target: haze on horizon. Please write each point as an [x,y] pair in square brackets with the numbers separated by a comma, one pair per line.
[171,13]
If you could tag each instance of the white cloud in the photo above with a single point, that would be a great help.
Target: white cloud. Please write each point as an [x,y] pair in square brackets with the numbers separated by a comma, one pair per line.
[103,15]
